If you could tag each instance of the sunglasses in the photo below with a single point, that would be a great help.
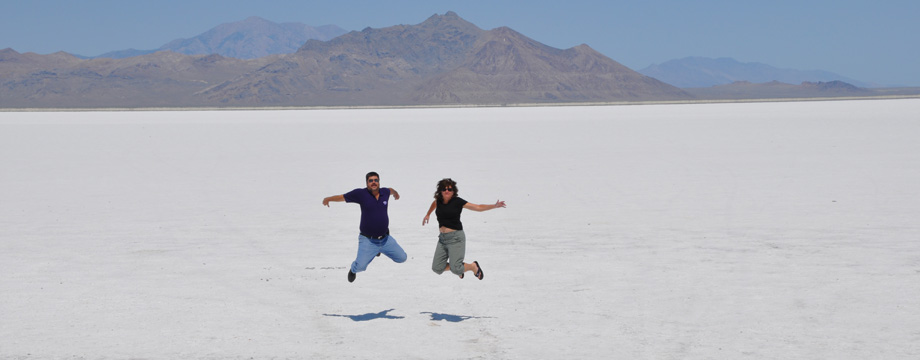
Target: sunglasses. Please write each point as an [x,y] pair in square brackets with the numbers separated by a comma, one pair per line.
[448,189]
[373,180]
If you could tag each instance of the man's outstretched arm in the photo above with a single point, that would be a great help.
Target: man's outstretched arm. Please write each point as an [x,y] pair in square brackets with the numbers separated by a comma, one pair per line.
[336,198]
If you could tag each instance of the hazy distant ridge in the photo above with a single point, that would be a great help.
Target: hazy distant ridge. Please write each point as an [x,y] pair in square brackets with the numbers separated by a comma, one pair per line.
[252,38]
[693,72]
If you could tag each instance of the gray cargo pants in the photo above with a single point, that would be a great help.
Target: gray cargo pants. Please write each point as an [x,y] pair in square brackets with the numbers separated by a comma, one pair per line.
[451,247]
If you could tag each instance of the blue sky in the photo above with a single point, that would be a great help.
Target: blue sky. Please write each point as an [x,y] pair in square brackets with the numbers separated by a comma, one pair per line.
[872,41]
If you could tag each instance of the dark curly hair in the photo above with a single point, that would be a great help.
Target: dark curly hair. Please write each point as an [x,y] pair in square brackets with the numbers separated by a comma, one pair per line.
[443,184]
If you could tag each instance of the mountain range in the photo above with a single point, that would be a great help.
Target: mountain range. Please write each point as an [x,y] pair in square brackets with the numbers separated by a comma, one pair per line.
[444,60]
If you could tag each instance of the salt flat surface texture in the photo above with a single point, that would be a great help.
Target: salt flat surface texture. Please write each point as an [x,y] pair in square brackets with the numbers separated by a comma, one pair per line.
[728,231]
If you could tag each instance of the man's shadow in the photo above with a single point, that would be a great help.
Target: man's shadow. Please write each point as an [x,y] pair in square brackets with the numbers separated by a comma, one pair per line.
[369,316]
[452,318]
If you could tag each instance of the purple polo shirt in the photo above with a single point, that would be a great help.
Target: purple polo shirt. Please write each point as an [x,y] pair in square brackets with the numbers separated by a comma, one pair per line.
[374,218]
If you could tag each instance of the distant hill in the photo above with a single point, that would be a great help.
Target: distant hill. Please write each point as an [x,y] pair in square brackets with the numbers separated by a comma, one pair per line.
[162,79]
[779,90]
[252,38]
[694,72]
[444,60]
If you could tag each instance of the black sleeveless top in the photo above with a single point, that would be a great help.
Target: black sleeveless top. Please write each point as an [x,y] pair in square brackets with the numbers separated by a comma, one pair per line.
[449,214]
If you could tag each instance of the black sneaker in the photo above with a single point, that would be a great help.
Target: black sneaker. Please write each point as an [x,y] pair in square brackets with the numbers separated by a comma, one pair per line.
[351,276]
[378,254]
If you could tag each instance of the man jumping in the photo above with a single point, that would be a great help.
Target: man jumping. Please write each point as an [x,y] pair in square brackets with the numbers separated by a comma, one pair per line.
[374,238]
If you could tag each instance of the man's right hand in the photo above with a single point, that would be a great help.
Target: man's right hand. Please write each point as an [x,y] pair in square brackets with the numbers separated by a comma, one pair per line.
[332,198]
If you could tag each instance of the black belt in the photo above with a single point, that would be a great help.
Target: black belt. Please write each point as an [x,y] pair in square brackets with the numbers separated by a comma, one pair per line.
[381,237]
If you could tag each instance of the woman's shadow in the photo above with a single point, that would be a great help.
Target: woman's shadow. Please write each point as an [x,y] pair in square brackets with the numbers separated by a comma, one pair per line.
[451,318]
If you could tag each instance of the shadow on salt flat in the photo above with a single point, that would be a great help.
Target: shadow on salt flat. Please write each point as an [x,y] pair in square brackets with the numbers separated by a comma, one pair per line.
[385,315]
[452,318]
[369,316]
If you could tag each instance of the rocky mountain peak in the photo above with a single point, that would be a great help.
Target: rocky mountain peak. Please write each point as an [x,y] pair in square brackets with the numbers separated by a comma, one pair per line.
[9,54]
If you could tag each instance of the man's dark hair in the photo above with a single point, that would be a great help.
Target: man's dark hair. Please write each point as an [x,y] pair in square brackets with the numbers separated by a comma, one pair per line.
[372,173]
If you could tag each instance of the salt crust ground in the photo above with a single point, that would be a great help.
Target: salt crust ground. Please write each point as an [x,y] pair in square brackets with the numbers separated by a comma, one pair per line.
[717,231]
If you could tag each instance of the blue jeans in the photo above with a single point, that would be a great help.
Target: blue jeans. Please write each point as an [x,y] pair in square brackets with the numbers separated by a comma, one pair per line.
[369,248]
